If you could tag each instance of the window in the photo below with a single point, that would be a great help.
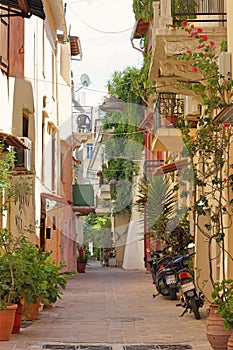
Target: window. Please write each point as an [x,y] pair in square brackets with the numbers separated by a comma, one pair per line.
[25,125]
[89,150]
[53,163]
[53,75]
[54,222]
[61,166]
[43,153]
[16,47]
[4,25]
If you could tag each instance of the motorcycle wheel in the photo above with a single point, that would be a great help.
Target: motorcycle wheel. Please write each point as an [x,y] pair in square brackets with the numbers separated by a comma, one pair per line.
[195,308]
[173,295]
[162,288]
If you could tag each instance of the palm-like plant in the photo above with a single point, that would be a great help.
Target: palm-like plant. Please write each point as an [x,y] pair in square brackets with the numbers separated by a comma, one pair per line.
[158,198]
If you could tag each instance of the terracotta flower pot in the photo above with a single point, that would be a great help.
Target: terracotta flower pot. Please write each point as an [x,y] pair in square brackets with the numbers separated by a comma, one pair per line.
[230,342]
[216,333]
[18,319]
[30,311]
[81,267]
[7,318]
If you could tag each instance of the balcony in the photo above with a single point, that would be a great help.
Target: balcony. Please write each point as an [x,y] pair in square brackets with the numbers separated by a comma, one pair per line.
[103,206]
[168,43]
[168,109]
[104,191]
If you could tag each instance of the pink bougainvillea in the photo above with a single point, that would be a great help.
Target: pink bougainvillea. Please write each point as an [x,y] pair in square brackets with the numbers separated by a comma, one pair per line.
[226,125]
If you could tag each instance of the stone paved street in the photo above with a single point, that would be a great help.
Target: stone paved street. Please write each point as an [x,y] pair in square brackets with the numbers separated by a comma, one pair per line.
[111,307]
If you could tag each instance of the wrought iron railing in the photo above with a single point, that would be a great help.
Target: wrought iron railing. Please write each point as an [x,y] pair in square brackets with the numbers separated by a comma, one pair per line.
[199,10]
[151,165]
[168,109]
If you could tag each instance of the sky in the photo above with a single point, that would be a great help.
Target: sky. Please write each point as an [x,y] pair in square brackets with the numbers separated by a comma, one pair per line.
[104,28]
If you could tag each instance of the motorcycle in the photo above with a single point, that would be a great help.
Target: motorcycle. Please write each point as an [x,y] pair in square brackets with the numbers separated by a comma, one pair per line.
[163,276]
[191,300]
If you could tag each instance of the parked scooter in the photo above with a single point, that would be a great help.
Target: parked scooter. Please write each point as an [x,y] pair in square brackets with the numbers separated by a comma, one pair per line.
[163,276]
[191,300]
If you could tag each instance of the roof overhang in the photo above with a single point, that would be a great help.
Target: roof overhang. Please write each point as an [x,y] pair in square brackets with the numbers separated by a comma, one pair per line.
[83,211]
[56,197]
[23,8]
[168,139]
[12,140]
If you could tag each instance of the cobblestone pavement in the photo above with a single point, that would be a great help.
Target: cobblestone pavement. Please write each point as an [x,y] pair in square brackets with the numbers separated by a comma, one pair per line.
[111,309]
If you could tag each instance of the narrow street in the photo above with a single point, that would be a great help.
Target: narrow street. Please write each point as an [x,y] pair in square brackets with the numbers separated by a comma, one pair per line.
[111,309]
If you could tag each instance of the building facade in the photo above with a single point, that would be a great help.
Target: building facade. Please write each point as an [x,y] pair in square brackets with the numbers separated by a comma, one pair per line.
[36,104]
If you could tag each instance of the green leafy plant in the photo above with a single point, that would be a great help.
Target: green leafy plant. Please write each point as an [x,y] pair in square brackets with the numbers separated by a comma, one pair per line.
[26,271]
[143,9]
[166,222]
[223,297]
[83,255]
[97,229]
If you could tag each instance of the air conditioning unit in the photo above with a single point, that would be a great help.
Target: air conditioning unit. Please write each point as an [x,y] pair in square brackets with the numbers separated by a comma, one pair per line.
[191,107]
[23,157]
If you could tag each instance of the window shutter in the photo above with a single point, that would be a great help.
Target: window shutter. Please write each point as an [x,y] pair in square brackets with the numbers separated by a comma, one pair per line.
[16,47]
[4,32]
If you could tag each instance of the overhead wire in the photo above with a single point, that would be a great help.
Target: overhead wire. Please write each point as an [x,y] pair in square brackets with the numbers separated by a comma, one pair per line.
[118,86]
[97,29]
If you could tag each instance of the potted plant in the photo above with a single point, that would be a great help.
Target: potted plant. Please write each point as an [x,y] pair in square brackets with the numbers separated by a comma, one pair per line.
[223,298]
[7,281]
[82,258]
[222,310]
[7,304]
[26,272]
[39,278]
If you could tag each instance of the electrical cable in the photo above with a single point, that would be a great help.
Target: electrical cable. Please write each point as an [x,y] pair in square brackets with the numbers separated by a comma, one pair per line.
[99,30]
[100,91]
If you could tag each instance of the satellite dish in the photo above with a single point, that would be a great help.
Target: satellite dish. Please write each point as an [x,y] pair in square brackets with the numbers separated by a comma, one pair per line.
[85,80]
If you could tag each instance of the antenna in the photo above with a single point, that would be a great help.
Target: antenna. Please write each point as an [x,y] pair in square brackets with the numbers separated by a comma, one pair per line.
[85,80]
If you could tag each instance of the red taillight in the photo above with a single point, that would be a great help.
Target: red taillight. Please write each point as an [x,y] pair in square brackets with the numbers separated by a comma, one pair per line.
[185,274]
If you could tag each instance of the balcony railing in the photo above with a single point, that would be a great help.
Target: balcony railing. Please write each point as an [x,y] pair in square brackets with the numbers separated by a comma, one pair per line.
[169,108]
[198,10]
[167,12]
[151,166]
